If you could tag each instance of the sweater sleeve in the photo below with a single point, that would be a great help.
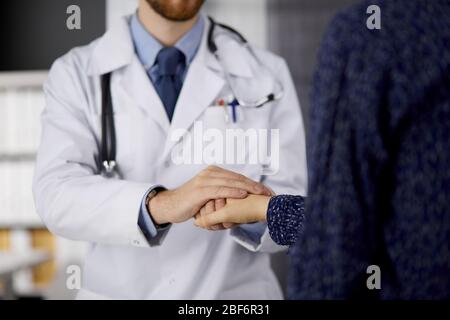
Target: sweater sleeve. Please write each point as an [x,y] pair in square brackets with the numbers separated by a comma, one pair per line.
[285,217]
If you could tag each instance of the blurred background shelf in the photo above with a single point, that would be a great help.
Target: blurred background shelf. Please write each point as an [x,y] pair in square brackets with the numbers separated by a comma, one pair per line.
[18,157]
[22,79]
[12,263]
[25,225]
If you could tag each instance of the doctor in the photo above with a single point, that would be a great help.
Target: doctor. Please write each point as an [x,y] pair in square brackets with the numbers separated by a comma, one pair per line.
[164,78]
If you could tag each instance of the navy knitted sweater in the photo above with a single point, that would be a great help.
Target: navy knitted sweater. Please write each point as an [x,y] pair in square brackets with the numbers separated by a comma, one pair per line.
[379,159]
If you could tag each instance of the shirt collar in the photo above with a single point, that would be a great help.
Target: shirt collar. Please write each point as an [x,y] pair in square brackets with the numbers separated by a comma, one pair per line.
[147,47]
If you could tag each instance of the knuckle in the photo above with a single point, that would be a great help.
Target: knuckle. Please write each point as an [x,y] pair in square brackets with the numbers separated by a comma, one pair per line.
[219,191]
[237,183]
[201,174]
[199,181]
[206,171]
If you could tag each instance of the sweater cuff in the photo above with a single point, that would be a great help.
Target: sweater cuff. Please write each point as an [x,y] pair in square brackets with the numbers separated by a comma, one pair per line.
[285,217]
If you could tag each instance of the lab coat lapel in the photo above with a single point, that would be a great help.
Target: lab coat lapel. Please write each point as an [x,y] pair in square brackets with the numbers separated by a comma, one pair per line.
[138,86]
[200,88]
[114,52]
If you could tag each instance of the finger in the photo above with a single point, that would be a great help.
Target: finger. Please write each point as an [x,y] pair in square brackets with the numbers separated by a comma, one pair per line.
[228,225]
[221,172]
[271,192]
[217,217]
[210,207]
[262,189]
[203,212]
[217,172]
[219,203]
[198,222]
[216,192]
[248,185]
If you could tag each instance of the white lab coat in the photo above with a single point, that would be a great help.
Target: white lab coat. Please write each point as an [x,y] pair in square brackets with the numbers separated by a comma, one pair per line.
[77,203]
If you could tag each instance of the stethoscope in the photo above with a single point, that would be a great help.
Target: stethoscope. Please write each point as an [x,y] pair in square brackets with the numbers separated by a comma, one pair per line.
[107,158]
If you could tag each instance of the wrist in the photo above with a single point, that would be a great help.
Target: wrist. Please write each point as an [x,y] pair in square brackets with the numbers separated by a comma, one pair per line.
[155,206]
[263,207]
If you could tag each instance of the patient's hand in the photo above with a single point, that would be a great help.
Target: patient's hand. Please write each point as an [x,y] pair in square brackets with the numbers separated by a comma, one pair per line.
[236,211]
[212,206]
[217,204]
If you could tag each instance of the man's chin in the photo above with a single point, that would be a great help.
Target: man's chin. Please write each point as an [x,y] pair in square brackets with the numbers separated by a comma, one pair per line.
[176,10]
[179,18]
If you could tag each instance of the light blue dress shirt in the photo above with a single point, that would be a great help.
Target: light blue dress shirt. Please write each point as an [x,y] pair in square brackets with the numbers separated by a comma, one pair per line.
[147,48]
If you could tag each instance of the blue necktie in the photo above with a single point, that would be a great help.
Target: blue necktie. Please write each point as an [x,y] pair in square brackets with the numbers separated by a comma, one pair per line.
[169,82]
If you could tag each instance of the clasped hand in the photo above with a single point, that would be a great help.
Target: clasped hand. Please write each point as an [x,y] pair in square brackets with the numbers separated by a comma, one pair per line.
[253,208]
[204,197]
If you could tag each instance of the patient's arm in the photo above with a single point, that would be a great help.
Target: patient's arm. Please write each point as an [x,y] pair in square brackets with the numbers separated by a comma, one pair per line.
[284,215]
[251,209]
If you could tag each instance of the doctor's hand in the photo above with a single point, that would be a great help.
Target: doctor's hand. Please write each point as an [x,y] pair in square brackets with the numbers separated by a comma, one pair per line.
[180,204]
[236,211]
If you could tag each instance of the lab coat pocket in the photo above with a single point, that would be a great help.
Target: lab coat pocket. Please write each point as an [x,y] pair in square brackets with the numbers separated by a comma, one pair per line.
[215,117]
[229,144]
